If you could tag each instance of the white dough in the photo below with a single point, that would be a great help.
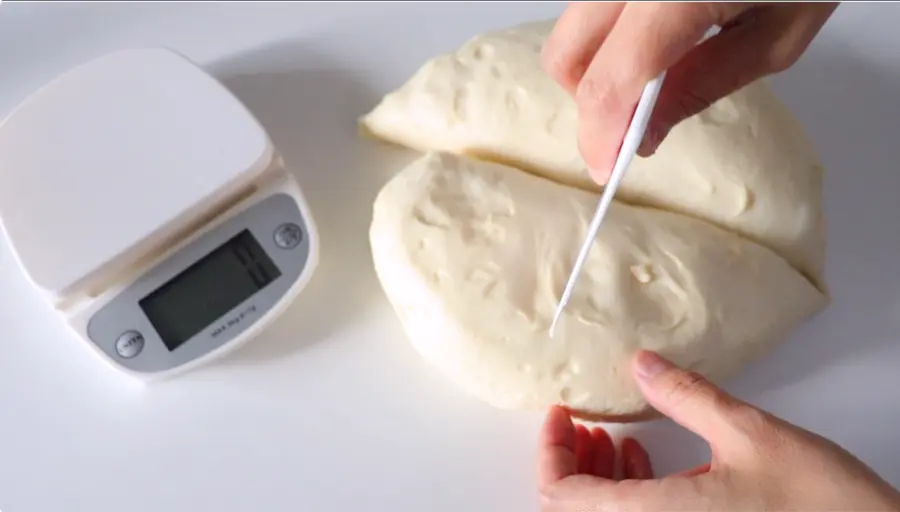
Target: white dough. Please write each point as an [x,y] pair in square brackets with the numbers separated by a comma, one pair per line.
[744,164]
[473,257]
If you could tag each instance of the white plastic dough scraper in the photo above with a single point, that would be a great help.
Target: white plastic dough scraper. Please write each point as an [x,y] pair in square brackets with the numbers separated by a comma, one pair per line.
[630,144]
[151,209]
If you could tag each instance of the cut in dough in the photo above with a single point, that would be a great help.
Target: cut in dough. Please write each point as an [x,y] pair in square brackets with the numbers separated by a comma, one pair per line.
[473,256]
[745,163]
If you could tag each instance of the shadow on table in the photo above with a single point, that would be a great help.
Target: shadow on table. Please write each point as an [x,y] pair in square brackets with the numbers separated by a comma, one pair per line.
[309,106]
[850,110]
[851,113]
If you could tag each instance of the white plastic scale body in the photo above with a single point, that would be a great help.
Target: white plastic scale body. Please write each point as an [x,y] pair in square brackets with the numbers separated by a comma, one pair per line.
[152,210]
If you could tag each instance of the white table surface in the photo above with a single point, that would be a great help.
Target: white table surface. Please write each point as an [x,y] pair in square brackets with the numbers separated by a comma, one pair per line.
[331,409]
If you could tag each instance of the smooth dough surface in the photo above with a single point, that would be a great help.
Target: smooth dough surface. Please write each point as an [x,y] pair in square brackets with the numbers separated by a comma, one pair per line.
[745,163]
[473,257]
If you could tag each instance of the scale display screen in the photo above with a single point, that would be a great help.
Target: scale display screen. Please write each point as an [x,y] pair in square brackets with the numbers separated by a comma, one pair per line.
[209,288]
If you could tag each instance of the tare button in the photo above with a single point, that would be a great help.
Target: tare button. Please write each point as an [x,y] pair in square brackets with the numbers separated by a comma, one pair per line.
[130,344]
[288,235]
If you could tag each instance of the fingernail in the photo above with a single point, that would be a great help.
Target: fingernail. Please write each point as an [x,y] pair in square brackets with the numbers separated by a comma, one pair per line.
[651,141]
[599,177]
[648,144]
[650,364]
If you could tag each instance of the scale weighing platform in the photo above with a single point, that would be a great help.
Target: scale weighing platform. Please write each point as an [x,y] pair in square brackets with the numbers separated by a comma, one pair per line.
[151,209]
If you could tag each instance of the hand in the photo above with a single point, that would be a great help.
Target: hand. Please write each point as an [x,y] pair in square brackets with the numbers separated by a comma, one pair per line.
[604,54]
[759,462]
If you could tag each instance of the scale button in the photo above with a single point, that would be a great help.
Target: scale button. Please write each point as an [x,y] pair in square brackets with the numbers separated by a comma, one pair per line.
[288,235]
[130,344]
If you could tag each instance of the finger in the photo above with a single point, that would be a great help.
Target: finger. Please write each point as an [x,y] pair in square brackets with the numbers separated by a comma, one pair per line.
[635,461]
[660,123]
[759,42]
[604,453]
[647,39]
[575,39]
[686,397]
[581,493]
[584,451]
[556,448]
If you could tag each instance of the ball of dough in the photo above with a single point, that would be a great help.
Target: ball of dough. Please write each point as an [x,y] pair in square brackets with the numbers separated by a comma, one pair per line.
[745,163]
[473,256]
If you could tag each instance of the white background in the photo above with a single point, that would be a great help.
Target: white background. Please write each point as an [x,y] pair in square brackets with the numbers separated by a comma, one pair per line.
[331,409]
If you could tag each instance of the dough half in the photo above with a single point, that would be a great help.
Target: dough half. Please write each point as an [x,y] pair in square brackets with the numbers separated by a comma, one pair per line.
[473,257]
[745,163]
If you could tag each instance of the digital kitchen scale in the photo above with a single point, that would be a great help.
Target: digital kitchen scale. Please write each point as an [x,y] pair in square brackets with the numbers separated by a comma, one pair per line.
[151,209]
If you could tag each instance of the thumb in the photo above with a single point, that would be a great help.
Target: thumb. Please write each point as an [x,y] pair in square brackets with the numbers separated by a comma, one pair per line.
[686,397]
[754,43]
